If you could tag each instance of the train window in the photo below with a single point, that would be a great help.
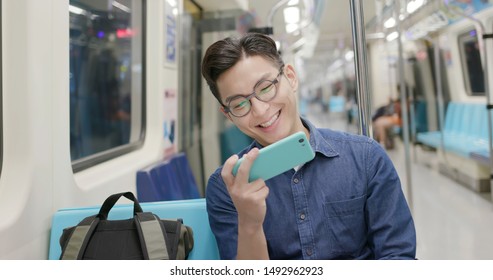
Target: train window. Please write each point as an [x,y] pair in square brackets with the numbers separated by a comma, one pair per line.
[107,113]
[471,63]
[1,93]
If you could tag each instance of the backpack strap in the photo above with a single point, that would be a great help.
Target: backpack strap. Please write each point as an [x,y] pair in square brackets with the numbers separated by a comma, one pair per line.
[179,237]
[173,229]
[152,236]
[78,240]
[186,240]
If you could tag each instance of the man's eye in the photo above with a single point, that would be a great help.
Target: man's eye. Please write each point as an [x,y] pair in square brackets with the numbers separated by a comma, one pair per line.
[241,105]
[266,89]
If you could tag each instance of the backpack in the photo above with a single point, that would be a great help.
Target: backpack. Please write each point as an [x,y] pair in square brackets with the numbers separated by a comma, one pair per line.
[145,236]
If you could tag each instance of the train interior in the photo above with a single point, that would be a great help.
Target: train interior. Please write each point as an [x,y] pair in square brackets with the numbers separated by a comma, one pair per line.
[135,114]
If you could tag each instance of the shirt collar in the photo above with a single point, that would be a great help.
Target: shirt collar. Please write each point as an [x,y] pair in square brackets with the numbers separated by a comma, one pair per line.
[319,143]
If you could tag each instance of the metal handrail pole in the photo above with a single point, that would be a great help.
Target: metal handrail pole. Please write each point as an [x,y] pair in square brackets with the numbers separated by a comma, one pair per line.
[404,113]
[361,68]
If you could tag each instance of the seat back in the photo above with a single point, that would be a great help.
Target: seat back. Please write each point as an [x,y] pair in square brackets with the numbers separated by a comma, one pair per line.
[167,180]
[232,142]
[185,177]
[146,185]
[456,118]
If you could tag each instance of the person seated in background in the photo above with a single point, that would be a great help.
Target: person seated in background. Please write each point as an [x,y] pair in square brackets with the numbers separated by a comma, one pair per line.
[384,120]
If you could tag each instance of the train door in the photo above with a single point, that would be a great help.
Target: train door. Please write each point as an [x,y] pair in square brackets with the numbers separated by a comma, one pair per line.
[214,26]
[202,124]
[424,89]
[189,103]
[438,82]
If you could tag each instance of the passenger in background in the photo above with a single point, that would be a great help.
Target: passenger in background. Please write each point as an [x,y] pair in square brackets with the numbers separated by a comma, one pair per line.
[347,203]
[384,120]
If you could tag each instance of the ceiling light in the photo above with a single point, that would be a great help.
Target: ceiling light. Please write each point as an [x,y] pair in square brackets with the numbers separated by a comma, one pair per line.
[389,23]
[414,5]
[292,15]
[172,3]
[121,7]
[291,27]
[349,56]
[392,36]
[76,10]
[293,2]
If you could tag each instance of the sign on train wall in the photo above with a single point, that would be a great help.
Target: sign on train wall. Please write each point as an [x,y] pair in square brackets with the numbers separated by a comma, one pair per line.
[170,122]
[468,7]
[170,41]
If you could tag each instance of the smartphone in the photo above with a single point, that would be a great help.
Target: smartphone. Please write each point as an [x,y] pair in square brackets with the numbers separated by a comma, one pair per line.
[279,157]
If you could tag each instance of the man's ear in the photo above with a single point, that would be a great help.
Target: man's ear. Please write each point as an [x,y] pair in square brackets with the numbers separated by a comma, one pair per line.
[291,75]
[225,113]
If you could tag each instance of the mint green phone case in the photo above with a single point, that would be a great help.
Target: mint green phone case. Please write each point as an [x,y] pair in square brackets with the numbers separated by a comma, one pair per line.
[279,157]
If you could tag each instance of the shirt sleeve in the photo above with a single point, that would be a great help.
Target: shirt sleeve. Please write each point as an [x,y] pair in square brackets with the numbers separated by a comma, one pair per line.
[391,232]
[223,217]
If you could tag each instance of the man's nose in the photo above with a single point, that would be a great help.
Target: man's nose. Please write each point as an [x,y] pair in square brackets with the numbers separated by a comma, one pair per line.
[259,107]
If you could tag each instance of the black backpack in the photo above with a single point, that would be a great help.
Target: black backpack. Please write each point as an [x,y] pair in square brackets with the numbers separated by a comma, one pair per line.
[145,236]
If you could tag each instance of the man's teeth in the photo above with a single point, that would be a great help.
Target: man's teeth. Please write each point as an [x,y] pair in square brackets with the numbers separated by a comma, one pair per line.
[270,122]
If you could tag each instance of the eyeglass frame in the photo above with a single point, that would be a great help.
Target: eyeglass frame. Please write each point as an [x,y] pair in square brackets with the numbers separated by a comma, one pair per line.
[274,82]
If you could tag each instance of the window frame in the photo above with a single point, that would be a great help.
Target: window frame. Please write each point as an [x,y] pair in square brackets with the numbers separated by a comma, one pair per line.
[463,38]
[100,157]
[1,91]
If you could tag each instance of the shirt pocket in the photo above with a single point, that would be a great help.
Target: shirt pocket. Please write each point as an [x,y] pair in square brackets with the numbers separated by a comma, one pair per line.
[345,221]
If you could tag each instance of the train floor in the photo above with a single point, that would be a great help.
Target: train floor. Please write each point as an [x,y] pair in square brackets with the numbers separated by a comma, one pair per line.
[452,221]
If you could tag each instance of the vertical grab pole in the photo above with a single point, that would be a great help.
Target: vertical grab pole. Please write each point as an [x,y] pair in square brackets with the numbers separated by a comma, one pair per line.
[361,70]
[441,105]
[363,92]
[403,96]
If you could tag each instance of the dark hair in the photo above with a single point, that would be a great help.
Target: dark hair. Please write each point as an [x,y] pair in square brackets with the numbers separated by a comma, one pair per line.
[224,54]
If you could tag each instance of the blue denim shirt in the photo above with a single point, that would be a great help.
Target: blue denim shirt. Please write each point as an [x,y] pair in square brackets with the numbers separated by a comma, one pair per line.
[346,203]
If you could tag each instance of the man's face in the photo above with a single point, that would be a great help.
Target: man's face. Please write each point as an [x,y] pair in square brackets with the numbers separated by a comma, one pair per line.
[267,122]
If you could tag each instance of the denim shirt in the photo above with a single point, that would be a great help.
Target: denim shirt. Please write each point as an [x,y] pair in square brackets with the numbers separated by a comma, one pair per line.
[346,203]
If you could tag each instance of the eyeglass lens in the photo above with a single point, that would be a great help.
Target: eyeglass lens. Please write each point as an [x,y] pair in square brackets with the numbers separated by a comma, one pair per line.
[264,91]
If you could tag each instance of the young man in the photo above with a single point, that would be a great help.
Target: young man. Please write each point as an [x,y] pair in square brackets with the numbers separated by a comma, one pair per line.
[346,203]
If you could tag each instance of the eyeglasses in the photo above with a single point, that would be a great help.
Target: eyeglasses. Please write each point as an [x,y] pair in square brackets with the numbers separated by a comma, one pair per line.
[264,90]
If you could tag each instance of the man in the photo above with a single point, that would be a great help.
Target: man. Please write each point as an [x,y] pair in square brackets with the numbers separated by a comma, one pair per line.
[346,203]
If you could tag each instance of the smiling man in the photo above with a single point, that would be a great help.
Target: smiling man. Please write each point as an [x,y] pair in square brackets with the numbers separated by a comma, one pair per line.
[346,203]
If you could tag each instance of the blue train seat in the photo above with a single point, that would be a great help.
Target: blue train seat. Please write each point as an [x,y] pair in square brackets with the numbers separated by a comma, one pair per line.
[157,182]
[192,211]
[337,104]
[167,180]
[147,190]
[468,138]
[433,138]
[420,120]
[185,177]
[482,157]
[233,141]
[464,131]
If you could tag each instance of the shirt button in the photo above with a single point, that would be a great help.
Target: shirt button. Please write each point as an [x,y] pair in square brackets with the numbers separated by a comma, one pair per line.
[296,180]
[302,216]
[309,252]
